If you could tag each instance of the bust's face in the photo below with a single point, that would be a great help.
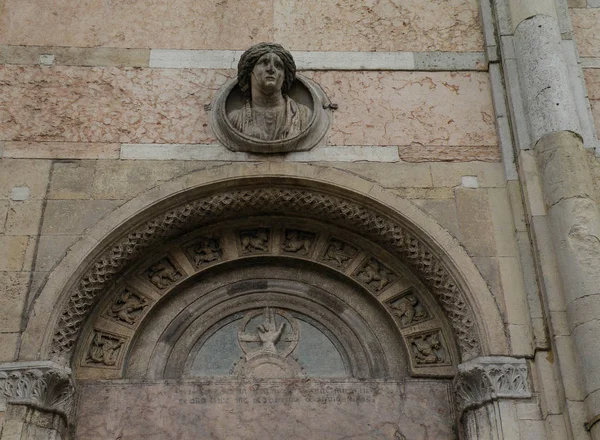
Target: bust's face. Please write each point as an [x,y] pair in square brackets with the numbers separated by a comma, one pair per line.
[268,74]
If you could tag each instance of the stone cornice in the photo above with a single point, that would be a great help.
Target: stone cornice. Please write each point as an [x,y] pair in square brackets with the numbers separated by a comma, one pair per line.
[43,385]
[485,379]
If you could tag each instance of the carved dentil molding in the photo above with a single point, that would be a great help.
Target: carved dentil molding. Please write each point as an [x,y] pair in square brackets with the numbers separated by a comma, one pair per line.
[485,379]
[42,385]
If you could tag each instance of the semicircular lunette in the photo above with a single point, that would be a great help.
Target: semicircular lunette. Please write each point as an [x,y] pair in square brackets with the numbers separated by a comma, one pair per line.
[281,297]
[400,242]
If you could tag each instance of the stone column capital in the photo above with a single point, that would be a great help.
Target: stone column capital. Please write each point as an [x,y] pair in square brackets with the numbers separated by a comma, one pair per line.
[490,378]
[42,385]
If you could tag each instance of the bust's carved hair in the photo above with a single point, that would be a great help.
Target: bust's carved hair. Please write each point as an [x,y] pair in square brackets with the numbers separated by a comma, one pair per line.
[252,55]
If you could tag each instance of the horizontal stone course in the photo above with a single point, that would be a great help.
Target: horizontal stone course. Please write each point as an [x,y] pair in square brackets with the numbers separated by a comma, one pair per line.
[61,150]
[112,105]
[319,60]
[315,25]
[76,56]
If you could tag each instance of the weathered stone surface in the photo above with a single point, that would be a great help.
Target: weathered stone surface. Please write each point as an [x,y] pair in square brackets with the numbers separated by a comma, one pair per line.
[106,104]
[51,249]
[596,112]
[72,180]
[474,222]
[60,150]
[32,174]
[125,179]
[585,25]
[292,409]
[8,350]
[13,286]
[166,106]
[78,56]
[450,175]
[413,26]
[393,175]
[490,270]
[592,82]
[4,204]
[191,24]
[13,249]
[399,108]
[408,26]
[70,217]
[454,153]
[24,217]
[444,211]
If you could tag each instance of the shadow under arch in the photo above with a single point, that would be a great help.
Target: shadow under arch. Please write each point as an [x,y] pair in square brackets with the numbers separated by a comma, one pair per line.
[206,196]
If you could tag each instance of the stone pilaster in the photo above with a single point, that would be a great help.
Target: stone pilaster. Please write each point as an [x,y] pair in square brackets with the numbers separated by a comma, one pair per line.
[37,398]
[486,388]
[567,186]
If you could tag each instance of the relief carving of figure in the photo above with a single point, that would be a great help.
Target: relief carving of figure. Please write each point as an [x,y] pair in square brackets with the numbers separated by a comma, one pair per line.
[409,309]
[298,242]
[339,253]
[428,349]
[127,307]
[266,72]
[206,251]
[375,275]
[104,350]
[163,274]
[254,240]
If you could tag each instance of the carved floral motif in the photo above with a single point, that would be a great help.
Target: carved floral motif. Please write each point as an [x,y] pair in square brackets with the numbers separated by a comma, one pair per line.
[375,275]
[248,201]
[45,388]
[485,379]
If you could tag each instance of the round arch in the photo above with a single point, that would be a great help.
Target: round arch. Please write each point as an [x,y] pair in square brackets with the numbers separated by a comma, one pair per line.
[240,190]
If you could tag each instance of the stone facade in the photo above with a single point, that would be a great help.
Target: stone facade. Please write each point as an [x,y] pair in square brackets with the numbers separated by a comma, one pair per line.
[424,270]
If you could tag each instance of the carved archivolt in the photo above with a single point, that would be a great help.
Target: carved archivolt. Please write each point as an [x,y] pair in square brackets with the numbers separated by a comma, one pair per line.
[291,201]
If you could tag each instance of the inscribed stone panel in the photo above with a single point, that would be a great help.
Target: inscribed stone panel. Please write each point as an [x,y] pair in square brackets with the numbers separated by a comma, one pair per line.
[316,409]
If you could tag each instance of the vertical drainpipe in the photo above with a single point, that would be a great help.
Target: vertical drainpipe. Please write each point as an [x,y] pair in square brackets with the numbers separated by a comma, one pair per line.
[568,189]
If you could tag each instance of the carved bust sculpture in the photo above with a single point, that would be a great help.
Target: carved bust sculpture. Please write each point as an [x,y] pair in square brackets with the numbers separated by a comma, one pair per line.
[266,72]
[268,108]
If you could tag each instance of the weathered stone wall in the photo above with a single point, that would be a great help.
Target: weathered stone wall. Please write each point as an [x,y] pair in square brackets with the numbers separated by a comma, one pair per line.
[102,101]
[585,17]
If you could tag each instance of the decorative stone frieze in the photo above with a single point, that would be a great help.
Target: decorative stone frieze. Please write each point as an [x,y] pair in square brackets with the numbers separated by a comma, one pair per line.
[485,379]
[129,309]
[352,215]
[42,385]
